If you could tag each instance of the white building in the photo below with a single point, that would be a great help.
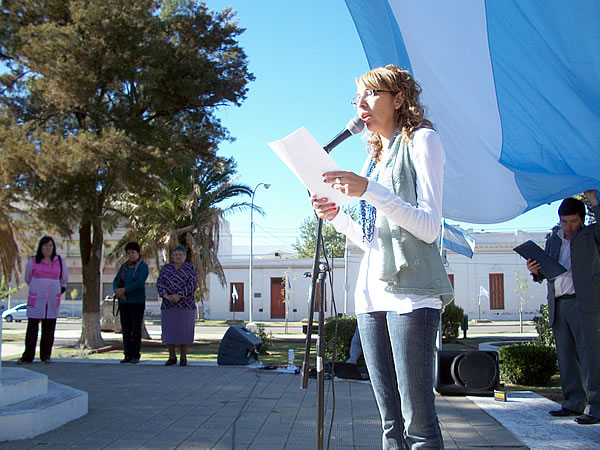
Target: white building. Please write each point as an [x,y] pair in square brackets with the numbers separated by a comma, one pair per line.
[494,268]
[281,288]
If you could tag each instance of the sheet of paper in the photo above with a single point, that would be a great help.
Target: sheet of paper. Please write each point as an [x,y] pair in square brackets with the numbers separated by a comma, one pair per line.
[301,152]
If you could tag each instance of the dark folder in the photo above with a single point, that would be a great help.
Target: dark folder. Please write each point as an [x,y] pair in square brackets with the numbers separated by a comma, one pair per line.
[550,267]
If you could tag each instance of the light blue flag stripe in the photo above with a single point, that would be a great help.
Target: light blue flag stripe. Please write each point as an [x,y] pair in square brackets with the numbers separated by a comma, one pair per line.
[512,88]
[458,241]
[386,46]
[546,62]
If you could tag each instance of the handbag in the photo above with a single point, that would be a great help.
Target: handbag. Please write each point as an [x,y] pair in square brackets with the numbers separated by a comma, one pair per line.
[116,306]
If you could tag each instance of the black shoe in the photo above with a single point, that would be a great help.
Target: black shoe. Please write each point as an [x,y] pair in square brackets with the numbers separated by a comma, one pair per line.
[21,361]
[183,362]
[171,361]
[586,419]
[134,360]
[125,360]
[46,361]
[564,412]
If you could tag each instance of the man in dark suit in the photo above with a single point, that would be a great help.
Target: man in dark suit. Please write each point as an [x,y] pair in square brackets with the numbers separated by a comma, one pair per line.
[574,308]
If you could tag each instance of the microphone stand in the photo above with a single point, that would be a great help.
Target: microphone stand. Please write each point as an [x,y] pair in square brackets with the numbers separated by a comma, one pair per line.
[319,271]
[318,274]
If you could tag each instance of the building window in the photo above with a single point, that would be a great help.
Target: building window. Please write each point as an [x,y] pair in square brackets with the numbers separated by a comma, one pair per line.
[496,291]
[236,297]
[451,276]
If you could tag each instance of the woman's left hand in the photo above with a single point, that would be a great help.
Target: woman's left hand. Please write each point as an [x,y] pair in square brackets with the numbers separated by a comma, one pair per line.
[346,182]
[120,292]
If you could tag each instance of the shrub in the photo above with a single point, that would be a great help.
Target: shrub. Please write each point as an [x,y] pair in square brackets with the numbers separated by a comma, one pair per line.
[346,326]
[451,320]
[543,328]
[266,338]
[529,364]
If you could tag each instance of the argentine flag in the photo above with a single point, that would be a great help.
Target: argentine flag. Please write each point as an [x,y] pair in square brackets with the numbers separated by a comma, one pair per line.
[513,88]
[457,240]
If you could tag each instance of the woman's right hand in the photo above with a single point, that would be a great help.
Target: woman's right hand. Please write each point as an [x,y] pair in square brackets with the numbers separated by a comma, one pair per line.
[324,209]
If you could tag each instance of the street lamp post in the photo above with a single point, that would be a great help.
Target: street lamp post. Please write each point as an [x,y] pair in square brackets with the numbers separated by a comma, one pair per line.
[251,325]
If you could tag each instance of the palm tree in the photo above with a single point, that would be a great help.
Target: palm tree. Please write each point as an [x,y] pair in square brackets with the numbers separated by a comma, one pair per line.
[188,210]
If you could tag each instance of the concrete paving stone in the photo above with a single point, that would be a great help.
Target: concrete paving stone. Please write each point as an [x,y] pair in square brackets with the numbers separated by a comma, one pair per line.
[261,446]
[215,406]
[201,445]
[206,440]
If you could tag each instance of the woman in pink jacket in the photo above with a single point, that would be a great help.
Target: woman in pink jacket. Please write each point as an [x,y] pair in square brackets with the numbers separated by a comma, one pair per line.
[46,274]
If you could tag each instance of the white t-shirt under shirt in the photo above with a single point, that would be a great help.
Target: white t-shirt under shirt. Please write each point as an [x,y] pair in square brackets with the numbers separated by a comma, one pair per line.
[422,221]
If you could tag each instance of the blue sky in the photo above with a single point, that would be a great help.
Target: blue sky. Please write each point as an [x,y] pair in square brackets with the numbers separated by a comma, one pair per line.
[305,56]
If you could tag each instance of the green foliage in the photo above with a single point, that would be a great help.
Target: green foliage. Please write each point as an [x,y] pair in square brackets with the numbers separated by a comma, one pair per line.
[543,328]
[305,244]
[527,364]
[451,320]
[522,289]
[346,325]
[188,209]
[102,99]
[266,338]
[5,291]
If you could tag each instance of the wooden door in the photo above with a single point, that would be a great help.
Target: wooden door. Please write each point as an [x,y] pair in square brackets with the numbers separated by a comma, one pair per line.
[451,277]
[277,298]
[236,304]
[496,291]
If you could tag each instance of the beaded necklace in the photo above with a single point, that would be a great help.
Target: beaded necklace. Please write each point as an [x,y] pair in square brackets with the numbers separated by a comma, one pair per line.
[368,213]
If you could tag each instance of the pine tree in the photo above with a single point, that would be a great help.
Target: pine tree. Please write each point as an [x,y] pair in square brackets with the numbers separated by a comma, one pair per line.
[104,98]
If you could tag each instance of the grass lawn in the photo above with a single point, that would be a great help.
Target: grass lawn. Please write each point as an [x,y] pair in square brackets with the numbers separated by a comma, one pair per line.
[552,392]
[473,343]
[12,337]
[199,351]
[225,323]
[205,350]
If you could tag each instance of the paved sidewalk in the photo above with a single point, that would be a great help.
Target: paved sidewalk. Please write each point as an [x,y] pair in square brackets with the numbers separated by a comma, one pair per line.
[230,407]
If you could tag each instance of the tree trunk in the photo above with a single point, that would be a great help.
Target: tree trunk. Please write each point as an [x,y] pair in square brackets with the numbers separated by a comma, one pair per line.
[145,334]
[91,238]
[521,320]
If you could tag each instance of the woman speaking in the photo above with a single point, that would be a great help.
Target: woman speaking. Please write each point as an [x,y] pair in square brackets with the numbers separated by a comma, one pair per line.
[402,284]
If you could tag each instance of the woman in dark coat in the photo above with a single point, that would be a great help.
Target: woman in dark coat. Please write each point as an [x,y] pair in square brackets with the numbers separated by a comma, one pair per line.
[130,286]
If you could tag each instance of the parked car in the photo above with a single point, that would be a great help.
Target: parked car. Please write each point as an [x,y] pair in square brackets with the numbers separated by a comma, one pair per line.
[16,313]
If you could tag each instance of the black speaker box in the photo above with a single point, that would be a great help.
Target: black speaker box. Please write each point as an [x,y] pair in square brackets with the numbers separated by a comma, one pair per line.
[349,370]
[238,347]
[467,372]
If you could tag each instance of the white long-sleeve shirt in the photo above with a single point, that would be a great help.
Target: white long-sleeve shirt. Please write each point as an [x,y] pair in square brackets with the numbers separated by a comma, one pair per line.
[422,221]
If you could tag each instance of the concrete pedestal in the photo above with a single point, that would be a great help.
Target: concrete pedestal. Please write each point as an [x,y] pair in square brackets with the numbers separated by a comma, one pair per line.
[31,405]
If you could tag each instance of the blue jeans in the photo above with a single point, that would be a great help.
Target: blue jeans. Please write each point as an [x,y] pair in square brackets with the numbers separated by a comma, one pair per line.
[399,350]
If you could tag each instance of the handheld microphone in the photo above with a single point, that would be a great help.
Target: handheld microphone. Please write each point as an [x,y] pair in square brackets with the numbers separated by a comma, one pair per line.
[353,127]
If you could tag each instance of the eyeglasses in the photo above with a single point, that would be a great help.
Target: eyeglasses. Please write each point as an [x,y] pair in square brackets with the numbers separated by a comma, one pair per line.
[368,93]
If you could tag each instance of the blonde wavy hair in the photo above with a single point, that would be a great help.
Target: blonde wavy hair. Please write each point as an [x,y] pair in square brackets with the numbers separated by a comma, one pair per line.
[410,116]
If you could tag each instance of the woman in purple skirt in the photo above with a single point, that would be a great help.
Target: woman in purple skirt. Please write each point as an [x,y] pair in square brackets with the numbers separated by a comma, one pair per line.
[176,285]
